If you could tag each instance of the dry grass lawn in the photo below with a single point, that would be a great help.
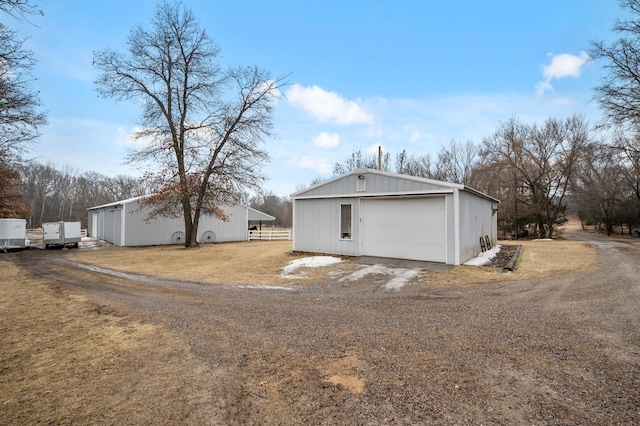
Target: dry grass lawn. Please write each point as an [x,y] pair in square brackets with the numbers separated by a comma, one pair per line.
[57,352]
[250,262]
[261,262]
[538,259]
[65,360]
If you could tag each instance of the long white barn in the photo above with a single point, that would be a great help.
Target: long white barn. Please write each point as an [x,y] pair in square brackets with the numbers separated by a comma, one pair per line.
[373,213]
[126,223]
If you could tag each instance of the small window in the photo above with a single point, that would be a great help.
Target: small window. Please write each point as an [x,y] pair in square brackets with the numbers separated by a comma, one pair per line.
[360,185]
[345,221]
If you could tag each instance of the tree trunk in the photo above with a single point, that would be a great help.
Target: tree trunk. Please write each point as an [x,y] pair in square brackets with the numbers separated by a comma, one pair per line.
[190,238]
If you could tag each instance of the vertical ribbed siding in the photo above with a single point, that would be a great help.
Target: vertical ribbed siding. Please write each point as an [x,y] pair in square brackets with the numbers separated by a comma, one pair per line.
[141,231]
[317,226]
[374,184]
[476,220]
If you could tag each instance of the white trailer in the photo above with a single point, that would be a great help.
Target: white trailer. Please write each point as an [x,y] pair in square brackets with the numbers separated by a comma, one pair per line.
[13,234]
[65,234]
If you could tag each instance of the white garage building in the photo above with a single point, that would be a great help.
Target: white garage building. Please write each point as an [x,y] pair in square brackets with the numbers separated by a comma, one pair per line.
[126,223]
[373,213]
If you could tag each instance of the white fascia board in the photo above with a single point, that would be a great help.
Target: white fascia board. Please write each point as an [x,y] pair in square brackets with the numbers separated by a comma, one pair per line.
[380,194]
[117,203]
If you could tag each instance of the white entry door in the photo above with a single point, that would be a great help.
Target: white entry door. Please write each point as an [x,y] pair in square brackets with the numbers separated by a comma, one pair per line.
[409,228]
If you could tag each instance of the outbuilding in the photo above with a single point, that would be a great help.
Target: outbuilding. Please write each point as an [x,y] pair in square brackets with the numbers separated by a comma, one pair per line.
[127,223]
[374,213]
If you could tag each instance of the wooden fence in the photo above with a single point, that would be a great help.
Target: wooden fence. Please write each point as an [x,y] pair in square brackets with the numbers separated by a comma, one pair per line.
[270,235]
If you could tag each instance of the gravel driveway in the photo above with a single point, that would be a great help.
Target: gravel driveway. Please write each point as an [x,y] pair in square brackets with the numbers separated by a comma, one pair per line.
[564,350]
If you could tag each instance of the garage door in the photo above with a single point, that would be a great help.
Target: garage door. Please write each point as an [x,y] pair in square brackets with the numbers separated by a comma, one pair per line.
[411,228]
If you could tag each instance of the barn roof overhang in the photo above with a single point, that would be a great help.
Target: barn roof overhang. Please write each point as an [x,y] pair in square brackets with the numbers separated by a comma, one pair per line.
[256,215]
[253,214]
[444,187]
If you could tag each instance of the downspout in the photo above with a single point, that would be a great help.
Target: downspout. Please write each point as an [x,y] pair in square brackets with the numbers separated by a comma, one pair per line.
[456,226]
[293,223]
[246,226]
[123,225]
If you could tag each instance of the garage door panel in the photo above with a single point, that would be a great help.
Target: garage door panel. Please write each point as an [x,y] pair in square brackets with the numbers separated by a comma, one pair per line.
[405,229]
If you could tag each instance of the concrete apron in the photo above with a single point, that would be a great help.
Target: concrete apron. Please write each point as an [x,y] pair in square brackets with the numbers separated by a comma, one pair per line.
[402,263]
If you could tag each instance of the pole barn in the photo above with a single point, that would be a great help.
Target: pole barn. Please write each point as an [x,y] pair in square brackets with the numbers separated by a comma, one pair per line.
[127,223]
[373,213]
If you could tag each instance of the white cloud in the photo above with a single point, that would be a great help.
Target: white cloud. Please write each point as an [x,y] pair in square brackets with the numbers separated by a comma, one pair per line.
[327,140]
[373,149]
[438,120]
[415,136]
[542,87]
[563,65]
[319,165]
[127,139]
[328,106]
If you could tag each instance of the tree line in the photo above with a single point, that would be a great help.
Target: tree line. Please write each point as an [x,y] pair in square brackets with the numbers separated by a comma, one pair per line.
[205,124]
[51,194]
[539,172]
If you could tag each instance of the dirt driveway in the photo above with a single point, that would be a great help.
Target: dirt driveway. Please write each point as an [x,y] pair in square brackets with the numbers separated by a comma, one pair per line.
[78,346]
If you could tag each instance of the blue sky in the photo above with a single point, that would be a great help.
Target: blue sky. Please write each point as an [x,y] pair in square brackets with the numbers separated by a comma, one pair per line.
[408,75]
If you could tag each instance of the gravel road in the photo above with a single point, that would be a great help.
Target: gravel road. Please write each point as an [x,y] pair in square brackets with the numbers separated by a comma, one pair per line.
[563,350]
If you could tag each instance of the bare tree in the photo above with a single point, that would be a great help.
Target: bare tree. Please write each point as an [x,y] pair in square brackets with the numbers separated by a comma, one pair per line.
[619,92]
[19,115]
[541,161]
[413,165]
[279,207]
[360,160]
[456,162]
[204,125]
[11,199]
[598,188]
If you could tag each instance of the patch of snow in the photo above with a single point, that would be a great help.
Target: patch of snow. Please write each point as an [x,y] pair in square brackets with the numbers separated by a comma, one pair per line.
[543,239]
[368,270]
[307,262]
[266,287]
[400,276]
[401,279]
[91,243]
[484,257]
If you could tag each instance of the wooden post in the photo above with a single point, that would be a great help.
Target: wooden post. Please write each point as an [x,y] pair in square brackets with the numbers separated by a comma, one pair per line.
[379,157]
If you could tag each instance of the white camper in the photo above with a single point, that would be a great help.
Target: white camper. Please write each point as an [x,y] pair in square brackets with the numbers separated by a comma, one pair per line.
[65,234]
[13,234]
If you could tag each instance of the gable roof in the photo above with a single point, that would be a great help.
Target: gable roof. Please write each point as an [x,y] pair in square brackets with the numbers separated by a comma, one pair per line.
[383,183]
[253,213]
[258,215]
[117,203]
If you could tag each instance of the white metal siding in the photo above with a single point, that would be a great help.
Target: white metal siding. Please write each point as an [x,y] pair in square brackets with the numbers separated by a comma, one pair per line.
[317,226]
[142,231]
[112,230]
[476,220]
[129,225]
[374,183]
[413,228]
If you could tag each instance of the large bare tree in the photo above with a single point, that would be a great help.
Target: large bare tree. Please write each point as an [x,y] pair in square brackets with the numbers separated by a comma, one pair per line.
[538,163]
[618,94]
[203,125]
[20,117]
